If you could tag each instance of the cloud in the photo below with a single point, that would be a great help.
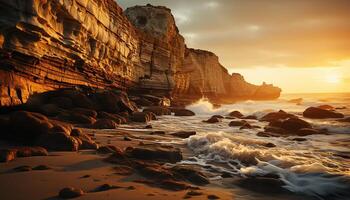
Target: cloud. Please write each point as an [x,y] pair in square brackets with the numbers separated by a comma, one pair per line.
[271,33]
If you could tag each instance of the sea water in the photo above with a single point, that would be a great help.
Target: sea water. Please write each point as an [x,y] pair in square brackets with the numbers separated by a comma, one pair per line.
[318,167]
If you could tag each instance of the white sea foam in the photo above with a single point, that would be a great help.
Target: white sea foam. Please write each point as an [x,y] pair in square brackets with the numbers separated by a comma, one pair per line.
[311,167]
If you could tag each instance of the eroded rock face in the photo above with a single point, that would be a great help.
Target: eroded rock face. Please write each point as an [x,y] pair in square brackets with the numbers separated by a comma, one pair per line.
[46,45]
[162,48]
[207,77]
[50,44]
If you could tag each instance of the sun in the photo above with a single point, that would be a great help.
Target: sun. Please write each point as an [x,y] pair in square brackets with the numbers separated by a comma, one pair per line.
[333,78]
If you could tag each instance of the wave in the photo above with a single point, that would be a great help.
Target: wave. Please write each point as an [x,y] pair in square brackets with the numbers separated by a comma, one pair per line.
[301,171]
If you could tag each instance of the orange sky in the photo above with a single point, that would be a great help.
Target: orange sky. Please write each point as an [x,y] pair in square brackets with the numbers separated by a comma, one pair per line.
[300,45]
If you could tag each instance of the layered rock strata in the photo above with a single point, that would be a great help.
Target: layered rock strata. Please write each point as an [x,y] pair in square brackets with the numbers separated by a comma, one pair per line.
[50,44]
[202,75]
[46,45]
[162,48]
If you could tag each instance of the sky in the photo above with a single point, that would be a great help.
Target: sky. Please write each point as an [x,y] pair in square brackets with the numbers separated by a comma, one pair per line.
[301,45]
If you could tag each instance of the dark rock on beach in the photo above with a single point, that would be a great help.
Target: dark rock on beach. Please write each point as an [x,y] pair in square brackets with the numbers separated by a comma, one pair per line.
[158,110]
[70,193]
[212,120]
[190,173]
[104,124]
[142,117]
[11,153]
[237,123]
[318,113]
[236,114]
[183,112]
[274,116]
[184,134]
[58,141]
[159,152]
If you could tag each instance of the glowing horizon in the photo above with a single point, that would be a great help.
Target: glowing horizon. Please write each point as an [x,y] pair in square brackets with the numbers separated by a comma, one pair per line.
[300,46]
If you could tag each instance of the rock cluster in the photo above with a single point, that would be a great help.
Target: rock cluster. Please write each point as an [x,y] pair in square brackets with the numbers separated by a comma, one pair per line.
[149,161]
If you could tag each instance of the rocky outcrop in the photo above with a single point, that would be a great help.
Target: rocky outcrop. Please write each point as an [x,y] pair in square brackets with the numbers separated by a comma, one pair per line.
[50,44]
[208,78]
[46,45]
[162,48]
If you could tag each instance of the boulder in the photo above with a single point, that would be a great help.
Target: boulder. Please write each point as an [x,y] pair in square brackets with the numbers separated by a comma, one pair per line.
[237,123]
[85,111]
[190,173]
[62,102]
[273,116]
[79,99]
[253,117]
[156,152]
[264,185]
[58,142]
[142,117]
[104,124]
[77,118]
[31,151]
[116,118]
[347,119]
[184,134]
[70,192]
[27,126]
[236,114]
[50,110]
[59,126]
[318,113]
[212,120]
[84,140]
[109,149]
[277,130]
[183,112]
[326,107]
[157,101]
[114,101]
[248,126]
[158,110]
[144,102]
[269,145]
[307,131]
[294,124]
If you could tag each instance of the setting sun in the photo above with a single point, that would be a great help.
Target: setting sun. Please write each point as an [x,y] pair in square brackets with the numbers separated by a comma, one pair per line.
[333,78]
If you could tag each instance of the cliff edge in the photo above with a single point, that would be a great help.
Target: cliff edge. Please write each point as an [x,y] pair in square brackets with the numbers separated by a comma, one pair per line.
[52,44]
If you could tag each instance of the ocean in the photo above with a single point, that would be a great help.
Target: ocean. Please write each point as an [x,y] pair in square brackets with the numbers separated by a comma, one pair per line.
[316,168]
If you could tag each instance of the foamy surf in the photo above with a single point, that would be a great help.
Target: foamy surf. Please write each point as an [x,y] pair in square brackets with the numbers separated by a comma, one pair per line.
[302,174]
[317,167]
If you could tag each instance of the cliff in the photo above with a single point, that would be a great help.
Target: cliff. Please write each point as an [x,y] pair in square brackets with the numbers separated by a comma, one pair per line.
[162,48]
[46,45]
[208,78]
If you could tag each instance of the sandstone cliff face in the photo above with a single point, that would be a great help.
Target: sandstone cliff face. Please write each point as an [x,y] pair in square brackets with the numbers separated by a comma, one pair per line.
[162,48]
[50,44]
[208,78]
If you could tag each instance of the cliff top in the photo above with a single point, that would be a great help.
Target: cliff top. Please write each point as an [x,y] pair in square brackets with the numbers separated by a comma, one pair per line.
[157,21]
